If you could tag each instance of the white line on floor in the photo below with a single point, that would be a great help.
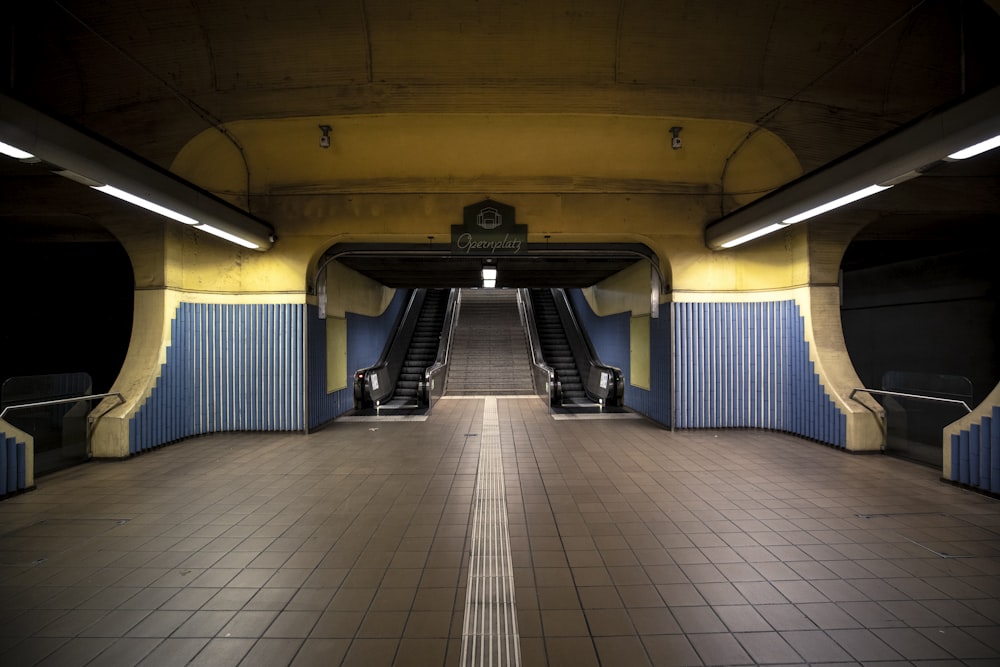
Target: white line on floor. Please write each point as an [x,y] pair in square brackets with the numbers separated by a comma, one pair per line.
[489,634]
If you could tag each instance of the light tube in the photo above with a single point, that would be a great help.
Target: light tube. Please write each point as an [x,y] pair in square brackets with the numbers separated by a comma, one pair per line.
[14,152]
[836,203]
[763,231]
[226,235]
[976,149]
[146,204]
[489,283]
[489,274]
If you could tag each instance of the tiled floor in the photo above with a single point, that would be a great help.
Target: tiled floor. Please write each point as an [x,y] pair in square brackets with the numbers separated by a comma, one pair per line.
[631,546]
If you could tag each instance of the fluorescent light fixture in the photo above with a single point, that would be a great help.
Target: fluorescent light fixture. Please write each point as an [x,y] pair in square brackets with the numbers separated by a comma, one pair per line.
[489,283]
[146,204]
[226,235]
[95,162]
[964,129]
[976,149]
[836,203]
[14,152]
[763,231]
[489,273]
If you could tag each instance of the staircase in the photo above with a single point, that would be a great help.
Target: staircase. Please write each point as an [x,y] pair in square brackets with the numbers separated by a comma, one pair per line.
[555,348]
[423,348]
[489,355]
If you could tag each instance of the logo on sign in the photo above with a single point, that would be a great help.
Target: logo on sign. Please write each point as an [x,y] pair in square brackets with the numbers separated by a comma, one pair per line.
[489,218]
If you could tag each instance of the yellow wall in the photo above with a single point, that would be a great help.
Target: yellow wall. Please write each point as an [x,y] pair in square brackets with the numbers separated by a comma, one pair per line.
[591,178]
[347,291]
[639,353]
[336,353]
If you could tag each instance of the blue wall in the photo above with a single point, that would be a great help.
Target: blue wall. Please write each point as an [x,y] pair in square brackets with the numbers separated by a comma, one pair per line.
[229,367]
[13,468]
[975,454]
[747,365]
[611,337]
[737,365]
[366,338]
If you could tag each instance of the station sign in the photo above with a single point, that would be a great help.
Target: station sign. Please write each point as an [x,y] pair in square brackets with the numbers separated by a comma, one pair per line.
[488,228]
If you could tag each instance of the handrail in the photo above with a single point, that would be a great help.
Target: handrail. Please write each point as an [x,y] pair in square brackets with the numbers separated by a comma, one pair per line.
[585,355]
[390,361]
[57,401]
[542,375]
[443,359]
[882,392]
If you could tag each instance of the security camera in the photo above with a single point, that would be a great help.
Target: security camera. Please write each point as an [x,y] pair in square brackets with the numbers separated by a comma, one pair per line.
[675,141]
[324,140]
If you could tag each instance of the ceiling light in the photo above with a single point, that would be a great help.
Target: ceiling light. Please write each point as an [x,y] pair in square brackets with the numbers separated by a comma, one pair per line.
[962,130]
[489,273]
[836,203]
[757,233]
[96,162]
[226,235]
[489,284]
[145,203]
[14,152]
[976,149]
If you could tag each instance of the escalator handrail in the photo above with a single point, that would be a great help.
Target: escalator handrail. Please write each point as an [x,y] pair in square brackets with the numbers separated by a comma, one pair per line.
[588,354]
[394,351]
[443,359]
[538,364]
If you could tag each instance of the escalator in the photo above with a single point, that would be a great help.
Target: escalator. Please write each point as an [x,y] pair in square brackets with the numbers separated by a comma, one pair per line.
[423,348]
[555,347]
[578,379]
[417,352]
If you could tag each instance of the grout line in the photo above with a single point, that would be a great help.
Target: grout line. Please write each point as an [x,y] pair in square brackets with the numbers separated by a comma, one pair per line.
[489,633]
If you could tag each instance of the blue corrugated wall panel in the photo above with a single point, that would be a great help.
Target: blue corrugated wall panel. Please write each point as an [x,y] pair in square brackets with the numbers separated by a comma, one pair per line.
[6,443]
[229,367]
[611,338]
[13,465]
[10,465]
[975,454]
[746,365]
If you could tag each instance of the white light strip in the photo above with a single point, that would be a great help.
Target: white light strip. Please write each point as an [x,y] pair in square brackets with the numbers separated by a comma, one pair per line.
[226,235]
[976,149]
[14,152]
[753,235]
[146,204]
[836,203]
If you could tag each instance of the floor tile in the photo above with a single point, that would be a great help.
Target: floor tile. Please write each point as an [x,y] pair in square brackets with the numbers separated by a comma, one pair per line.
[631,543]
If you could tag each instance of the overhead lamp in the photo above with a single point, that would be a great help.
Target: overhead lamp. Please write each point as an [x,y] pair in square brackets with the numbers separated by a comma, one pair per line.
[976,149]
[145,203]
[222,234]
[489,274]
[14,152]
[82,157]
[957,132]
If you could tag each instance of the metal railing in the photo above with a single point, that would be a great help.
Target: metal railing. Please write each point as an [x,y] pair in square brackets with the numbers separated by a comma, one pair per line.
[899,394]
[58,401]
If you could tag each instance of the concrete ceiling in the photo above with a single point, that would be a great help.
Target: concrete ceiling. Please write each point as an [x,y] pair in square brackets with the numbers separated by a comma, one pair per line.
[824,77]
